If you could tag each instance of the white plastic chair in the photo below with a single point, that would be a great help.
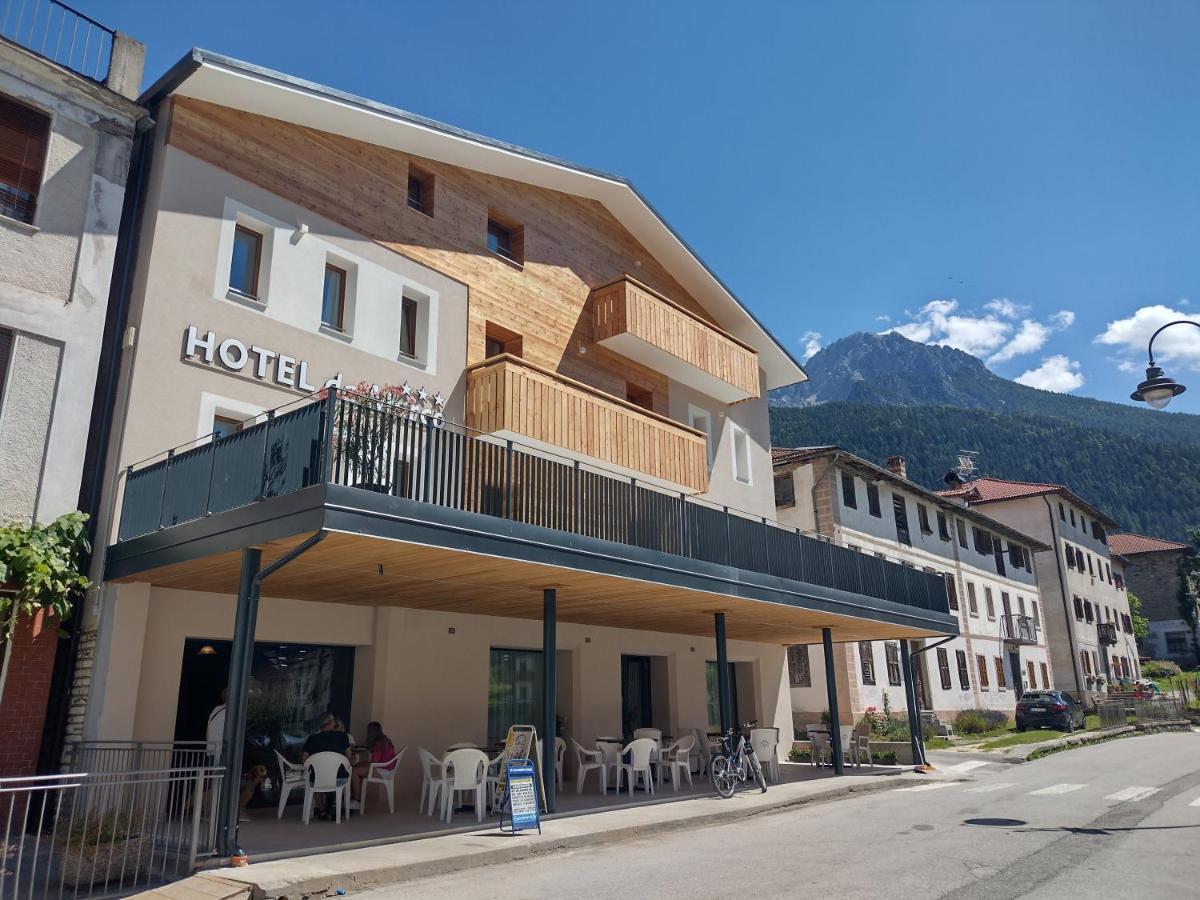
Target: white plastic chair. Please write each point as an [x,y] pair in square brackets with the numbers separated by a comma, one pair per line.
[291,776]
[464,772]
[765,742]
[611,754]
[677,758]
[848,754]
[587,761]
[322,775]
[862,747]
[431,779]
[640,752]
[384,775]
[560,752]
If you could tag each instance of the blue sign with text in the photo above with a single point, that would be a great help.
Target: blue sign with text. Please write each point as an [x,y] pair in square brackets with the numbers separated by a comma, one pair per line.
[522,800]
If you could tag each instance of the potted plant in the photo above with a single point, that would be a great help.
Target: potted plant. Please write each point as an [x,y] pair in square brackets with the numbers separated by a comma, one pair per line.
[364,431]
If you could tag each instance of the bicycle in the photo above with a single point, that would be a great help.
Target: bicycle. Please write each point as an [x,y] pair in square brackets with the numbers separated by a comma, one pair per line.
[734,765]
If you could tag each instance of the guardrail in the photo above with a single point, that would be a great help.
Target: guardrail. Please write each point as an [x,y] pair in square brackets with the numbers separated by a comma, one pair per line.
[373,444]
[1018,629]
[138,756]
[105,834]
[59,33]
[1115,713]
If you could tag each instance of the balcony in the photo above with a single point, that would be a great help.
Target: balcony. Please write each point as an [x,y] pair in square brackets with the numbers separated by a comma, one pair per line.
[60,34]
[1107,633]
[1018,629]
[643,325]
[512,398]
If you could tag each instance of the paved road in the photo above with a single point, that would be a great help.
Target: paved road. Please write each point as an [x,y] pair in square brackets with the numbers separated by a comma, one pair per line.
[1116,819]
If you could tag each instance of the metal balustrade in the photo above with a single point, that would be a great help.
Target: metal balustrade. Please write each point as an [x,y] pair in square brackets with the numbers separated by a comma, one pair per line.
[1018,629]
[368,443]
[59,33]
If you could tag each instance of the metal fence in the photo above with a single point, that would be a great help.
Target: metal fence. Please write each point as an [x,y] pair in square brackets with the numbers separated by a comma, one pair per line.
[138,756]
[105,834]
[359,441]
[59,33]
[1115,713]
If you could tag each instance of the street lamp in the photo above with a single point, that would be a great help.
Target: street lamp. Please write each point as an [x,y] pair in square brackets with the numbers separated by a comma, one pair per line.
[1158,390]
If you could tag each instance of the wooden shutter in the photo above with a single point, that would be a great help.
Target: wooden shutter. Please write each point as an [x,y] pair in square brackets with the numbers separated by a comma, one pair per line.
[23,135]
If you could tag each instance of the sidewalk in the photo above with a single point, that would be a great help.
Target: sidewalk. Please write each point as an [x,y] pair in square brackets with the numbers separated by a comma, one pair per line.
[369,867]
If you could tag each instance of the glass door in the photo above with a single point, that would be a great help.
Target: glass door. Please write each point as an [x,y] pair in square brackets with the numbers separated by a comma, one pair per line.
[636,709]
[514,691]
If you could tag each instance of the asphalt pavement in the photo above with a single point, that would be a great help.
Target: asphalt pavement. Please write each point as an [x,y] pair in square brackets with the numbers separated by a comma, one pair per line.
[1120,818]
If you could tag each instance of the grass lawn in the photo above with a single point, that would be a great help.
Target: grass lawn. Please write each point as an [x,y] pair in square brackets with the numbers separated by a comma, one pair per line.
[939,743]
[1014,738]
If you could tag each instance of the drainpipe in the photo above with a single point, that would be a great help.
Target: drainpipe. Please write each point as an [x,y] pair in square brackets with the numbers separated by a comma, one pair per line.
[1062,585]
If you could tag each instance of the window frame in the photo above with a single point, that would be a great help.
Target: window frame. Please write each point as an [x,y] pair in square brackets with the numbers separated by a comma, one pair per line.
[891,656]
[981,665]
[34,191]
[710,445]
[849,491]
[1045,675]
[964,670]
[972,600]
[788,501]
[989,603]
[1001,680]
[961,528]
[800,674]
[344,278]
[873,507]
[259,241]
[409,323]
[943,661]
[943,526]
[900,514]
[866,662]
[739,446]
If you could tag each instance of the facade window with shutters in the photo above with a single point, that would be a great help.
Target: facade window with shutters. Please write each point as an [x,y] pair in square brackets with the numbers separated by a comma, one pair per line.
[923,518]
[1001,684]
[972,601]
[873,500]
[798,670]
[1030,674]
[891,651]
[981,662]
[1033,609]
[849,496]
[1078,609]
[964,671]
[943,659]
[1045,676]
[785,490]
[1086,661]
[866,660]
[989,603]
[952,592]
[943,526]
[900,511]
[24,137]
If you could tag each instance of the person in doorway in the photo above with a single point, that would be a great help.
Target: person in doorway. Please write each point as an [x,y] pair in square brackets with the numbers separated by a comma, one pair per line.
[328,739]
[382,750]
[214,734]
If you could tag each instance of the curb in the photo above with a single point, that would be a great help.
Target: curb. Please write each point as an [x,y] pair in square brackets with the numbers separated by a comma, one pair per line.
[1025,753]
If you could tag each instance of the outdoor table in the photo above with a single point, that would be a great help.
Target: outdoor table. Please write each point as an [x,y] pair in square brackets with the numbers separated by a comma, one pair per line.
[610,740]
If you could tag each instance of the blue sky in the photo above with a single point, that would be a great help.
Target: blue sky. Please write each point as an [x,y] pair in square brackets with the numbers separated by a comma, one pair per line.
[1019,179]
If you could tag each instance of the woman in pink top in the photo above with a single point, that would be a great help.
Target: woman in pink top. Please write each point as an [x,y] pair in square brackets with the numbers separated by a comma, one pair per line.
[381,748]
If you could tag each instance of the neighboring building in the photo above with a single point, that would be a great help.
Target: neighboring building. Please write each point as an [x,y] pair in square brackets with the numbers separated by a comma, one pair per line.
[596,427]
[1001,648]
[1154,573]
[67,123]
[1084,604]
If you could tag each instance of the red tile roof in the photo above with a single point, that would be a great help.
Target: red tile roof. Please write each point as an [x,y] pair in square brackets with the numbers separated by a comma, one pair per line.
[992,490]
[783,456]
[1127,544]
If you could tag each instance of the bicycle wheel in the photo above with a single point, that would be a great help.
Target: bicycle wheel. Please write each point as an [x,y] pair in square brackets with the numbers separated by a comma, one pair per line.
[758,772]
[723,777]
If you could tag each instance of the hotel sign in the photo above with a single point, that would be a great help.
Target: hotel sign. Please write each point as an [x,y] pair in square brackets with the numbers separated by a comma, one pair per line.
[263,363]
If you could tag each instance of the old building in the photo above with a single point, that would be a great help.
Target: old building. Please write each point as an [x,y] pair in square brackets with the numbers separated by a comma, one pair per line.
[1154,573]
[67,124]
[875,510]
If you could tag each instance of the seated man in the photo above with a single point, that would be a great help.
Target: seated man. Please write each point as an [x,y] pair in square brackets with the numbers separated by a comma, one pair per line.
[328,739]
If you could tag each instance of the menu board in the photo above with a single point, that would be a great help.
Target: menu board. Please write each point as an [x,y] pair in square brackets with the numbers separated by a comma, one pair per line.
[521,743]
[522,796]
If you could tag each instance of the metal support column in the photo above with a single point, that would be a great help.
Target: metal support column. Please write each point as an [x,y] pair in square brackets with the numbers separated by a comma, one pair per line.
[549,704]
[237,693]
[724,701]
[835,722]
[914,713]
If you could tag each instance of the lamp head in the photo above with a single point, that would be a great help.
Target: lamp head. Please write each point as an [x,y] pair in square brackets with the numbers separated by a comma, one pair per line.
[1157,390]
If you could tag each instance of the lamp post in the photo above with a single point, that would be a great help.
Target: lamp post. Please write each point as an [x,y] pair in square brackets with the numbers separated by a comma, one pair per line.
[1158,390]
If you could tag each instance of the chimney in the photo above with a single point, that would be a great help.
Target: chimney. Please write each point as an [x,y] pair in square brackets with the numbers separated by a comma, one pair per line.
[897,466]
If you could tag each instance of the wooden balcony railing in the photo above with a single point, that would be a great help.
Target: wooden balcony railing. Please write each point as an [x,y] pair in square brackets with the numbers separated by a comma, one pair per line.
[509,394]
[647,327]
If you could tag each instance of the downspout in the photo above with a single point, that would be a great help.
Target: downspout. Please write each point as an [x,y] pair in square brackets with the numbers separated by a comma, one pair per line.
[1062,586]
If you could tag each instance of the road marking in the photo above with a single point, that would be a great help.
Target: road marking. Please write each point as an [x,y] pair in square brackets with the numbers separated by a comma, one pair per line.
[926,787]
[1056,789]
[1133,793]
[989,788]
[968,765]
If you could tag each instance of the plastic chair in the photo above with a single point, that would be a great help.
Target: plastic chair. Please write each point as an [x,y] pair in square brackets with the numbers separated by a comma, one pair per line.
[560,752]
[640,751]
[611,753]
[822,750]
[431,779]
[464,772]
[848,755]
[862,747]
[291,775]
[323,775]
[677,758]
[587,761]
[765,742]
[384,775]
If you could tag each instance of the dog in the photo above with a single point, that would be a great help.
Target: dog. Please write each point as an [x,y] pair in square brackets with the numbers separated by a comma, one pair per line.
[252,780]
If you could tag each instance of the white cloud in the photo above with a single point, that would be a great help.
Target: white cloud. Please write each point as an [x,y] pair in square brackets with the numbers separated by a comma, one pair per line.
[812,343]
[1056,373]
[1179,345]
[1127,367]
[1063,319]
[883,318]
[990,334]
[1005,308]
[1030,338]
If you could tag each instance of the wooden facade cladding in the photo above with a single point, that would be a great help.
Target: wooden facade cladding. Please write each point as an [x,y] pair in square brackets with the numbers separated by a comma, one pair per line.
[641,323]
[512,395]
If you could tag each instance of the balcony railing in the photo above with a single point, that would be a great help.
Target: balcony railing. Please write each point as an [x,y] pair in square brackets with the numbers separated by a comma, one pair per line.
[647,327]
[60,34]
[513,396]
[1107,632]
[356,441]
[1018,629]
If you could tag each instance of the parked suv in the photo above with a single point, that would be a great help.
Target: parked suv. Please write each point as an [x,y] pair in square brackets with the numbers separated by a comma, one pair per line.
[1056,709]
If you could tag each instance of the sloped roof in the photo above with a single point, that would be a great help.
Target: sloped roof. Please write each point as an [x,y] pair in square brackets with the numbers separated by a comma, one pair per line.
[783,456]
[1130,544]
[233,83]
[994,490]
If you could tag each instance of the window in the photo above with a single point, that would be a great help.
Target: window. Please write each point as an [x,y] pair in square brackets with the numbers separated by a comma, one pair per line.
[1089,562]
[1016,555]
[943,527]
[246,261]
[223,426]
[1087,662]
[1020,605]
[866,661]
[514,691]
[24,136]
[923,518]
[998,555]
[798,670]
[1083,524]
[1001,684]
[1087,611]
[639,396]
[1031,674]
[989,603]
[785,490]
[964,673]
[333,298]
[1072,518]
[1108,572]
[700,420]
[891,652]
[498,340]
[972,602]
[983,541]
[1098,532]
[420,190]
[1070,556]
[873,500]
[1078,609]
[900,511]
[1062,513]
[506,240]
[741,454]
[981,663]
[1033,610]
[1005,603]
[952,591]
[962,533]
[849,497]
[943,659]
[1045,676]
[408,327]
[1177,642]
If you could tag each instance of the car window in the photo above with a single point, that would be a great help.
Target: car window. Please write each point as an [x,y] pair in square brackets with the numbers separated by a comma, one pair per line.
[1035,697]
[1069,698]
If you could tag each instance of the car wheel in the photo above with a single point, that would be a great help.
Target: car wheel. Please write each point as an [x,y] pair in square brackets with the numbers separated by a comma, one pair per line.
[1020,727]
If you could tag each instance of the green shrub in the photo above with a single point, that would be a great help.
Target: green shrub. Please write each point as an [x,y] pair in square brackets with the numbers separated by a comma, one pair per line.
[979,721]
[800,754]
[1159,668]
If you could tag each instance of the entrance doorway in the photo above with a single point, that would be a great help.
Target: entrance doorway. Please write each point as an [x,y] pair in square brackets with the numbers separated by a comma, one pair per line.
[714,698]
[1014,666]
[637,696]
